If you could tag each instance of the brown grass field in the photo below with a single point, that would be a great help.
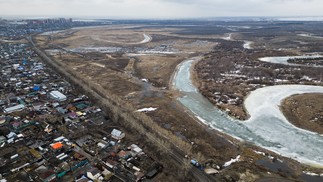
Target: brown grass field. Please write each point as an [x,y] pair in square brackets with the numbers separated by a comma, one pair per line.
[121,74]
[305,111]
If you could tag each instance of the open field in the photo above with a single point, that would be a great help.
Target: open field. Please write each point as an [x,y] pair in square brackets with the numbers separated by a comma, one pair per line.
[120,62]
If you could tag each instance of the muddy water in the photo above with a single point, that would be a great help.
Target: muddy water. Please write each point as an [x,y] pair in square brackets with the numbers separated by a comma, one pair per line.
[267,127]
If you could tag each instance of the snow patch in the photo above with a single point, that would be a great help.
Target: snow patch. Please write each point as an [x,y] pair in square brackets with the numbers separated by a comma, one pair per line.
[201,119]
[144,80]
[147,38]
[229,37]
[310,173]
[261,153]
[149,52]
[309,35]
[147,109]
[247,44]
[232,161]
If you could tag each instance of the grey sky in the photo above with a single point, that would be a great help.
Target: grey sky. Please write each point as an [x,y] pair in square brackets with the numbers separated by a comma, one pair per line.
[160,8]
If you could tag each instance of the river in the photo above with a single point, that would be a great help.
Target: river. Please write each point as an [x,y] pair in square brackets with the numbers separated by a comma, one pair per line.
[284,60]
[267,126]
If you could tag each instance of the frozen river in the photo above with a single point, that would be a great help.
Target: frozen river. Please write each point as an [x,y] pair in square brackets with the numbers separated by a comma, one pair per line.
[267,126]
[284,60]
[147,38]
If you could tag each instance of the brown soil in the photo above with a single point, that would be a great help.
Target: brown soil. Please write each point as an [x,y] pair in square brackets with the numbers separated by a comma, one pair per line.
[169,114]
[157,69]
[305,111]
[124,82]
[111,73]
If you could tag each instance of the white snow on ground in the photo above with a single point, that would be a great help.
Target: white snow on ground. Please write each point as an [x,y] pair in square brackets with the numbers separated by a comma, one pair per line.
[144,80]
[147,39]
[309,35]
[232,161]
[147,109]
[261,153]
[228,37]
[52,32]
[201,119]
[311,174]
[147,53]
[97,49]
[247,44]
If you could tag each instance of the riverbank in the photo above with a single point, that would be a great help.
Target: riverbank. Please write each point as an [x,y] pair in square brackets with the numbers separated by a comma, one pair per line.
[304,111]
[226,78]
[275,134]
[194,75]
[234,110]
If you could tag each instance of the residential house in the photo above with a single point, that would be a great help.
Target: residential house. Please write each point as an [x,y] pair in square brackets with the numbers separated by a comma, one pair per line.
[94,174]
[117,134]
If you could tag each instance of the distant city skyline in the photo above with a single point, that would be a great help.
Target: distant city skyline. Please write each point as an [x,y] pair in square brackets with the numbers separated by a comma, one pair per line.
[159,9]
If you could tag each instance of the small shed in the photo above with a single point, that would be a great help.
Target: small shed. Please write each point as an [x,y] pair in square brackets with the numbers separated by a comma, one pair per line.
[135,150]
[117,134]
[58,96]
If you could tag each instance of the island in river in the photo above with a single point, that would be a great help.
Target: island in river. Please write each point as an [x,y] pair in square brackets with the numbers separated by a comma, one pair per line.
[229,73]
[305,111]
[267,127]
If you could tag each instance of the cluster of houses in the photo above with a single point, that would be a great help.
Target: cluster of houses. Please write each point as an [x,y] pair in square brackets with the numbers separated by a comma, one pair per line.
[15,29]
[49,132]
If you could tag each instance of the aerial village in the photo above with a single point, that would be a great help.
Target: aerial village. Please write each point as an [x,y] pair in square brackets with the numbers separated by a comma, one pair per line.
[46,129]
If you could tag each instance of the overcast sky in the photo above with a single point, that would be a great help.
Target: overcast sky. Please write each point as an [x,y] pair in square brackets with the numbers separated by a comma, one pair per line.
[159,8]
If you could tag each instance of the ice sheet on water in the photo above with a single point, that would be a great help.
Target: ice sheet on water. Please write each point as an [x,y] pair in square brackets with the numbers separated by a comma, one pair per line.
[267,126]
